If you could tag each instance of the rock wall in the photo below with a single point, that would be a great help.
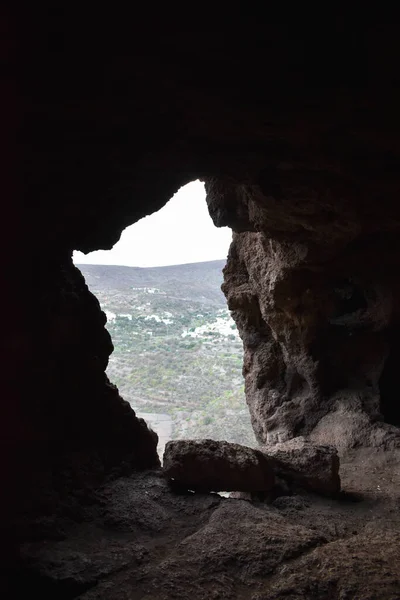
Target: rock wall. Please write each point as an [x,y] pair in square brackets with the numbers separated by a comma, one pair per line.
[318,323]
[65,427]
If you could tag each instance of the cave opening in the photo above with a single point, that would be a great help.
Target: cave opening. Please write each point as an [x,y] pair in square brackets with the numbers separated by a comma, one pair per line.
[177,355]
[297,130]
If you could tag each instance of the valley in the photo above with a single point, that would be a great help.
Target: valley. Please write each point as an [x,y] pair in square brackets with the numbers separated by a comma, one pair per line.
[177,354]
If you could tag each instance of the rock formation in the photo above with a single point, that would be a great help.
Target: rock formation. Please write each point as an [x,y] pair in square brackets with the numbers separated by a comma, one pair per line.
[296,132]
[217,466]
[302,464]
[318,322]
[209,465]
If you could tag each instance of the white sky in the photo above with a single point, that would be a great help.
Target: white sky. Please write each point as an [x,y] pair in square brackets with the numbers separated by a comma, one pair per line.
[181,232]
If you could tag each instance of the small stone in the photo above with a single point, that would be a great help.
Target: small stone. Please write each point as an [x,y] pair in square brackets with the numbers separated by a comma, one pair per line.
[312,467]
[208,465]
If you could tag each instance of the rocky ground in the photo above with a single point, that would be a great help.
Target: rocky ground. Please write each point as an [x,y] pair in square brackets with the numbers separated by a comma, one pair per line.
[139,540]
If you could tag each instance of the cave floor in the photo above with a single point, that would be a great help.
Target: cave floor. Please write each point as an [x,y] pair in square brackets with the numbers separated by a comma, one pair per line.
[138,540]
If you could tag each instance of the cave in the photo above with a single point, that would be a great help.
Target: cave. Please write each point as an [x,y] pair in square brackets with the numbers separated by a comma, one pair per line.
[295,132]
[177,355]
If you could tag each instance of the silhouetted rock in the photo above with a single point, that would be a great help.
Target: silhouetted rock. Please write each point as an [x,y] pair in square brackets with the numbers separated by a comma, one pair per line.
[217,466]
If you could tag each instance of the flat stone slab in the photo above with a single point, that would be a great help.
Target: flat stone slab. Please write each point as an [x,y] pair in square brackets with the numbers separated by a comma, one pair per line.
[208,465]
[315,468]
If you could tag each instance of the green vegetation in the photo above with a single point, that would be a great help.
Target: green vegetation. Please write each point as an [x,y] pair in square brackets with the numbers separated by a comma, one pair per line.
[177,350]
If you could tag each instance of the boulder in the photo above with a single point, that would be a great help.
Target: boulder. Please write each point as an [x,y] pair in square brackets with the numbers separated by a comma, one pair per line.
[208,465]
[315,468]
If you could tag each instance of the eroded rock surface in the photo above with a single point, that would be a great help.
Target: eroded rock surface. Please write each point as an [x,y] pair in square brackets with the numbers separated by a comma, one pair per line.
[69,428]
[312,467]
[339,570]
[209,465]
[315,319]
[138,539]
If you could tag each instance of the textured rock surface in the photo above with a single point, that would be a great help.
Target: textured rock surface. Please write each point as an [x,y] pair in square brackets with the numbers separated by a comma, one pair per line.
[68,427]
[139,540]
[315,468]
[239,538]
[316,321]
[209,465]
[73,566]
[296,131]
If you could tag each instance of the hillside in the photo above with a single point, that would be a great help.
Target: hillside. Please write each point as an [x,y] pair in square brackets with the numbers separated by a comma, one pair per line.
[178,356]
[197,281]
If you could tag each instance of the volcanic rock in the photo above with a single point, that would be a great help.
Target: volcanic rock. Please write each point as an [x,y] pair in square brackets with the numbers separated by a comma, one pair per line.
[315,468]
[208,465]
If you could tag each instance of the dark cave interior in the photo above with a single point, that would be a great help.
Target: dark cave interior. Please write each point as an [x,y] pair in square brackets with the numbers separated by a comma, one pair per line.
[296,134]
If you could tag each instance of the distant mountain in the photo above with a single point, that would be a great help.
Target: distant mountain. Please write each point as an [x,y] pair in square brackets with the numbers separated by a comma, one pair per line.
[178,355]
[196,281]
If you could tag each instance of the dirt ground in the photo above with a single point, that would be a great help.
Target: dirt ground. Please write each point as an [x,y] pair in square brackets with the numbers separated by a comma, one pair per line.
[139,540]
